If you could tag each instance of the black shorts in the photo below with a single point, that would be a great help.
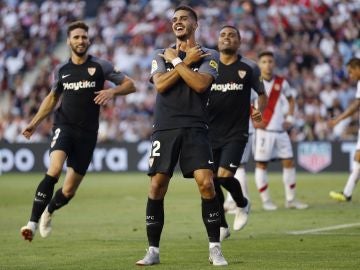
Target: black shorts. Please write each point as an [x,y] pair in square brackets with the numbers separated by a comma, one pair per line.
[190,146]
[229,155]
[77,144]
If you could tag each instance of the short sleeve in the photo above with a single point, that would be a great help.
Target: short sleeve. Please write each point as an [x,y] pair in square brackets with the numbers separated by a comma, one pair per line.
[287,90]
[56,85]
[210,64]
[111,73]
[157,64]
[256,82]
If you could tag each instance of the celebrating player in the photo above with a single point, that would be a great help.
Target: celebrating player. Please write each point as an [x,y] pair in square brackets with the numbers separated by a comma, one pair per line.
[353,67]
[229,111]
[271,138]
[182,76]
[80,81]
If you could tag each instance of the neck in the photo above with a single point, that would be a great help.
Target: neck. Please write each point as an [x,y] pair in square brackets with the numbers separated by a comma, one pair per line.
[78,60]
[267,77]
[183,45]
[228,59]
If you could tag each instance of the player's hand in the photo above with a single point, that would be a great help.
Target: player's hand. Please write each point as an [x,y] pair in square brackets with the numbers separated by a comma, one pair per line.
[194,54]
[261,124]
[256,115]
[28,131]
[170,54]
[103,96]
[287,125]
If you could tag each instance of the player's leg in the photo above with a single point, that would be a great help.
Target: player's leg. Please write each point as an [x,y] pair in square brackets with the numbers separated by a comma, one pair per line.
[224,227]
[163,157]
[211,216]
[196,161]
[350,185]
[79,158]
[264,143]
[283,151]
[45,189]
[240,175]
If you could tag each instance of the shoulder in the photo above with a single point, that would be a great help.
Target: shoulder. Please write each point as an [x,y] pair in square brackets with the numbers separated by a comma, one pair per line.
[61,66]
[102,62]
[213,53]
[250,63]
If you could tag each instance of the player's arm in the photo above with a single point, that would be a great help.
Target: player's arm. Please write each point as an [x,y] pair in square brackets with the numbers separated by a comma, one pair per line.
[164,81]
[46,107]
[258,86]
[354,106]
[126,87]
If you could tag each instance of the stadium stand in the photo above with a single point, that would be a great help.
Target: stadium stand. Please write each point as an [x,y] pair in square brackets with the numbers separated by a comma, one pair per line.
[312,41]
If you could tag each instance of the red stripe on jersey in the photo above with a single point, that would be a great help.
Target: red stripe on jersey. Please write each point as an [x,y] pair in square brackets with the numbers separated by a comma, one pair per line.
[273,98]
[263,188]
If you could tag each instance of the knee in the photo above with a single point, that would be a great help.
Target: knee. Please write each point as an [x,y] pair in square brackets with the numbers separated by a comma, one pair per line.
[68,193]
[55,170]
[207,187]
[261,165]
[288,163]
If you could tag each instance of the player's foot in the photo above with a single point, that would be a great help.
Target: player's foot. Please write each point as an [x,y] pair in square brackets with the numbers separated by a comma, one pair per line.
[224,233]
[339,196]
[230,207]
[241,217]
[151,257]
[269,206]
[28,231]
[45,223]
[215,256]
[295,204]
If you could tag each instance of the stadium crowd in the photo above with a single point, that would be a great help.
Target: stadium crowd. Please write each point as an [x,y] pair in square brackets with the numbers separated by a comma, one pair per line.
[312,41]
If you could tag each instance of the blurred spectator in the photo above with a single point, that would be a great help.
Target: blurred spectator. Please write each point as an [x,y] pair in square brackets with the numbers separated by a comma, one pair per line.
[312,41]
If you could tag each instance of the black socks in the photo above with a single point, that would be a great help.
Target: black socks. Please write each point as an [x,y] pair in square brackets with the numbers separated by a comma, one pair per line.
[58,201]
[221,200]
[233,186]
[211,217]
[43,195]
[154,221]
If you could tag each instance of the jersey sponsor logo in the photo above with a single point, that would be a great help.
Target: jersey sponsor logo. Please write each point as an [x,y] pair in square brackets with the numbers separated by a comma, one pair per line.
[227,87]
[154,66]
[92,70]
[242,73]
[213,64]
[79,85]
[314,157]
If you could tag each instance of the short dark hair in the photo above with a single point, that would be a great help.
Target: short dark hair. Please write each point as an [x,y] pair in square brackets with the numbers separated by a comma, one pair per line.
[232,27]
[188,9]
[354,63]
[265,53]
[77,24]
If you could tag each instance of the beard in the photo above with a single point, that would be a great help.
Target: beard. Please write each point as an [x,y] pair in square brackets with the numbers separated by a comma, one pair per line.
[228,51]
[77,53]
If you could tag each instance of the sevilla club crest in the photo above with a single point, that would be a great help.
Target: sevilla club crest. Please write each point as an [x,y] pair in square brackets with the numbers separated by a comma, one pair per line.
[242,73]
[91,70]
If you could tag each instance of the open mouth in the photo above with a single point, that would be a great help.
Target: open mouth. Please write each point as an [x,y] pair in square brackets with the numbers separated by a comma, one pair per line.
[179,28]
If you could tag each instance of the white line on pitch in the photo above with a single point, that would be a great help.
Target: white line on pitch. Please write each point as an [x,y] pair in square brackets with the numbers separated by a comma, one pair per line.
[331,228]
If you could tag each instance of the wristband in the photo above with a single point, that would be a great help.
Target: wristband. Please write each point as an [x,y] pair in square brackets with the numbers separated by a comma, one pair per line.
[290,118]
[176,61]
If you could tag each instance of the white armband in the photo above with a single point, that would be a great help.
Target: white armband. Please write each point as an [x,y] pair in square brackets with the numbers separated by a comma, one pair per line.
[176,61]
[290,119]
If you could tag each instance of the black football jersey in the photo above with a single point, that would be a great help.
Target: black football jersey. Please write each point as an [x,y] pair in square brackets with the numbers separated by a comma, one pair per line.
[229,101]
[77,84]
[180,106]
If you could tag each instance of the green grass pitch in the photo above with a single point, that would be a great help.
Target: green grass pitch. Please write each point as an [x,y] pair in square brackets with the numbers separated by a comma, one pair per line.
[103,227]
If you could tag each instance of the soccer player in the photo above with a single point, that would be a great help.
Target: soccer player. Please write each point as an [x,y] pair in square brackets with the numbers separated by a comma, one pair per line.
[353,67]
[182,75]
[271,138]
[80,81]
[229,112]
